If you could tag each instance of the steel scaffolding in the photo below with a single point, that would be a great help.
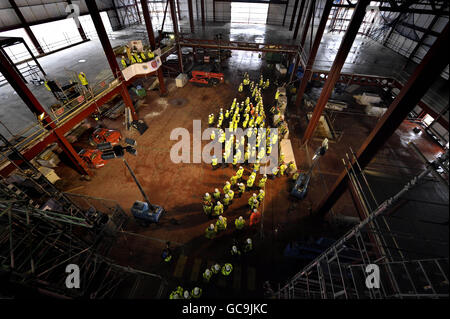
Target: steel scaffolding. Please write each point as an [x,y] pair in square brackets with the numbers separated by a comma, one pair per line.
[411,265]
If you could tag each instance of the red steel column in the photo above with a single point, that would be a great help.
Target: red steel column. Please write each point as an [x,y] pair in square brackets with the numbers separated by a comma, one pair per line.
[299,19]
[110,56]
[33,104]
[202,4]
[418,84]
[307,22]
[26,26]
[312,55]
[148,24]
[333,75]
[191,16]
[177,36]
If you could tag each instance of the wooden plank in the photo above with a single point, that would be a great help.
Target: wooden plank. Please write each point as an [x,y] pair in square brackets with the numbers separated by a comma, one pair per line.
[179,268]
[251,278]
[196,269]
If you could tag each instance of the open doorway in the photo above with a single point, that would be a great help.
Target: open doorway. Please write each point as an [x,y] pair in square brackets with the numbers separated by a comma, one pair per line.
[244,12]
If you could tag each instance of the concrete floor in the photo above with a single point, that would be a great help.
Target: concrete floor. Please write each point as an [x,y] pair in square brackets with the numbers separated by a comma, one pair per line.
[179,187]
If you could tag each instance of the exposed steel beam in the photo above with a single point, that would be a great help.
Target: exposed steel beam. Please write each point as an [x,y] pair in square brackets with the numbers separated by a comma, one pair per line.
[294,11]
[191,16]
[148,24]
[339,60]
[299,18]
[202,4]
[418,84]
[110,56]
[177,34]
[314,49]
[307,22]
[26,26]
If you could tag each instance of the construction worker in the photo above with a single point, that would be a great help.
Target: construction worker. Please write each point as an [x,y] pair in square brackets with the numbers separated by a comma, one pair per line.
[282,169]
[241,87]
[274,172]
[221,223]
[281,159]
[207,275]
[143,56]
[231,195]
[241,189]
[261,195]
[292,168]
[167,253]
[261,81]
[218,209]
[150,55]
[295,176]
[267,84]
[213,135]
[251,201]
[227,187]
[174,295]
[132,59]
[216,194]
[255,217]
[262,181]
[207,198]
[123,61]
[233,180]
[214,162]
[235,251]
[235,160]
[256,166]
[207,209]
[227,269]
[239,223]
[226,201]
[211,231]
[186,295]
[215,269]
[248,245]
[196,292]
[240,172]
[83,80]
[250,181]
[211,119]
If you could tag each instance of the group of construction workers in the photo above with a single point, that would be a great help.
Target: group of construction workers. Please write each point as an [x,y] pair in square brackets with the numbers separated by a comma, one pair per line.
[137,57]
[180,293]
[245,248]
[215,269]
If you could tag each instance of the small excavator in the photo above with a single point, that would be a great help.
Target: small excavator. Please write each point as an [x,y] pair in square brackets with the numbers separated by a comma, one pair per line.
[202,78]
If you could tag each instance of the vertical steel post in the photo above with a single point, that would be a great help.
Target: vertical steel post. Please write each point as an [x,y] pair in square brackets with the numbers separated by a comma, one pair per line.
[148,24]
[307,22]
[312,55]
[339,60]
[191,16]
[202,4]
[299,19]
[177,35]
[418,84]
[294,11]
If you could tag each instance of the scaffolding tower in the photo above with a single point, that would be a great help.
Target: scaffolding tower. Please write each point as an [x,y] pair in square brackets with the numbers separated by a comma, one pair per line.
[410,264]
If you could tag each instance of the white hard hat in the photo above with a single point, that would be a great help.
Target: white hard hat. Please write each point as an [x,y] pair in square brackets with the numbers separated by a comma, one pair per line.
[216,267]
[220,217]
[186,294]
[216,190]
[218,203]
[265,175]
[211,226]
[196,290]
[226,196]
[261,191]
[234,248]
[228,181]
[207,272]
[249,241]
[240,167]
[240,218]
[255,210]
[227,267]
[207,194]
[254,195]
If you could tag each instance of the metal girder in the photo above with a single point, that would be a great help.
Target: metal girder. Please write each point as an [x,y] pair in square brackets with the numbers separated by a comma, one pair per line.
[418,84]
[307,22]
[405,8]
[294,11]
[202,5]
[191,16]
[26,26]
[148,24]
[335,71]
[424,36]
[79,27]
[312,55]
[299,19]
[177,34]
[234,45]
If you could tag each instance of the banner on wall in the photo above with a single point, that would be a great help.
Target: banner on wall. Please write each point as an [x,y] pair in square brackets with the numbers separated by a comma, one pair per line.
[141,68]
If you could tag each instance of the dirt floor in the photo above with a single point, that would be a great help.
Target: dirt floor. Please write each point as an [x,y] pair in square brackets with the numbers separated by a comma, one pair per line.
[179,189]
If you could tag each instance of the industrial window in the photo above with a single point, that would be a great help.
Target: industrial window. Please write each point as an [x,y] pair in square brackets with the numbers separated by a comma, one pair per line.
[19,52]
[89,28]
[428,119]
[242,12]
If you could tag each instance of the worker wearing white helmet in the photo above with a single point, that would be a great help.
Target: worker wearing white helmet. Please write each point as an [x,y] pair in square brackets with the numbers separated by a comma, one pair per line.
[207,275]
[211,232]
[248,245]
[239,223]
[227,187]
[261,195]
[227,269]
[221,223]
[216,194]
[207,198]
[235,251]
[186,295]
[218,209]
[226,201]
[215,269]
[196,292]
